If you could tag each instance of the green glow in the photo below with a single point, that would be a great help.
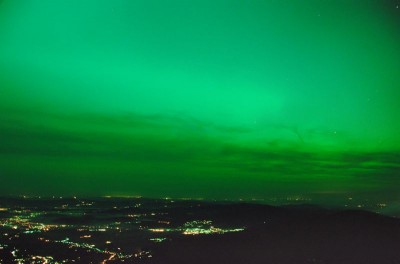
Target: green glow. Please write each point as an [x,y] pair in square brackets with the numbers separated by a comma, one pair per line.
[212,99]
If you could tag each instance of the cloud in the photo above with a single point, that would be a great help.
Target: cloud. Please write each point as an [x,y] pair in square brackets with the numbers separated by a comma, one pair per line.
[163,146]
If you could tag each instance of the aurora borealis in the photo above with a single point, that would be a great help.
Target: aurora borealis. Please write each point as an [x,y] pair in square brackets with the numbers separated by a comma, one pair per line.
[214,99]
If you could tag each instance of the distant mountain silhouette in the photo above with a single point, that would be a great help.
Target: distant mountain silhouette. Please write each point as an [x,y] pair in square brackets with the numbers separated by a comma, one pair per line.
[291,235]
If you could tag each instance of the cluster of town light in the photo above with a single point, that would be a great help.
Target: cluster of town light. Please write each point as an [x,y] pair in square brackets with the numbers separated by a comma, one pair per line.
[197,227]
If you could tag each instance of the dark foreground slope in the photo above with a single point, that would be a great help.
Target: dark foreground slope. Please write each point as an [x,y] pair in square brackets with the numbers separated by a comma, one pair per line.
[173,232]
[346,237]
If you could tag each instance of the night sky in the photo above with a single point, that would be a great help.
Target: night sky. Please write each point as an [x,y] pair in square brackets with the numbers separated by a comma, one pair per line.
[214,99]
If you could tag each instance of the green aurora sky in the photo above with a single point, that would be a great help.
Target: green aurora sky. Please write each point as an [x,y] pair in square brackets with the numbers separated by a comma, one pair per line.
[214,99]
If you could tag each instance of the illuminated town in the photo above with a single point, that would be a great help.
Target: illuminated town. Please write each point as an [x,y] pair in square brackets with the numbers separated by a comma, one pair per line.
[116,230]
[95,230]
